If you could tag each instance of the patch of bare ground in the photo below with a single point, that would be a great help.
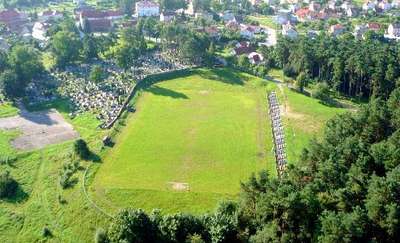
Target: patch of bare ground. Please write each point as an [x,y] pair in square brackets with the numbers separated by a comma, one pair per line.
[38,129]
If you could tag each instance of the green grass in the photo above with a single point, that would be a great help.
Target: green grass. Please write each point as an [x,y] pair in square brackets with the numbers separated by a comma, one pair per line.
[7,110]
[264,20]
[36,204]
[208,129]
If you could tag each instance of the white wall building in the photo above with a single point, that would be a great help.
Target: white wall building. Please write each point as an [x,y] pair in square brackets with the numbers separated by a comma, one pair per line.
[39,31]
[147,9]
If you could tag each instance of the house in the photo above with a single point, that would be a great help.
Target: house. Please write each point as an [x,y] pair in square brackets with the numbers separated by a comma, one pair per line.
[393,31]
[203,15]
[336,29]
[332,5]
[232,25]
[242,48]
[98,21]
[346,5]
[351,12]
[247,31]
[313,6]
[167,16]
[147,8]
[302,15]
[13,19]
[283,16]
[374,26]
[255,58]
[369,6]
[289,31]
[227,16]
[39,31]
[212,31]
[49,15]
[395,3]
[384,6]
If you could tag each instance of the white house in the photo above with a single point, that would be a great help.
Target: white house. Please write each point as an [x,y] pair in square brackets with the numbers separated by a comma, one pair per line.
[147,8]
[167,16]
[393,31]
[39,31]
[289,31]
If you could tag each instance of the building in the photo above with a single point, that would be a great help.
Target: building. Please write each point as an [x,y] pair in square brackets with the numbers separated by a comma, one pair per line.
[393,31]
[167,16]
[242,48]
[212,31]
[39,31]
[98,21]
[384,6]
[313,6]
[369,6]
[203,15]
[147,9]
[13,19]
[255,58]
[227,16]
[49,15]
[336,29]
[289,31]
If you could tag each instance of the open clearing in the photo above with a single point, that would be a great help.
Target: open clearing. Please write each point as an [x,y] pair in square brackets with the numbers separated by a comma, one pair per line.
[207,130]
[38,129]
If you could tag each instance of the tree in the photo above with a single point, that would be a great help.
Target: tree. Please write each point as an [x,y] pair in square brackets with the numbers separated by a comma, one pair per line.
[65,46]
[11,85]
[8,186]
[96,74]
[301,82]
[81,149]
[132,225]
[321,92]
[25,61]
[89,48]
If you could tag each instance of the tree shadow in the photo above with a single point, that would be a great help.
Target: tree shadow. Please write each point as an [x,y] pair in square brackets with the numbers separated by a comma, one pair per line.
[19,196]
[157,90]
[223,75]
[42,117]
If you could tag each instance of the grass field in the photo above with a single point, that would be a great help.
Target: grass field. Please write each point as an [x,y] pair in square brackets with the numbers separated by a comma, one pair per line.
[208,129]
[7,110]
[264,20]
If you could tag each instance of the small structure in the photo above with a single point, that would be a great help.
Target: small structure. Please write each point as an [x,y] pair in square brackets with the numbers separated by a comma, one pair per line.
[167,16]
[336,29]
[98,21]
[147,9]
[393,31]
[289,31]
[39,31]
[255,58]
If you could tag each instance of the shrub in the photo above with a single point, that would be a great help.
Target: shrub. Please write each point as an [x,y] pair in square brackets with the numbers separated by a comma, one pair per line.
[96,74]
[81,149]
[301,82]
[100,236]
[8,186]
[321,92]
[46,232]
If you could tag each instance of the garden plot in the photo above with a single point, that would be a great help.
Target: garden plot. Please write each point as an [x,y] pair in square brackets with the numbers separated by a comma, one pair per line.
[38,129]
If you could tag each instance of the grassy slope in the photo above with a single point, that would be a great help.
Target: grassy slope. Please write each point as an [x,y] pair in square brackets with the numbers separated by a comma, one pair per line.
[208,129]
[36,206]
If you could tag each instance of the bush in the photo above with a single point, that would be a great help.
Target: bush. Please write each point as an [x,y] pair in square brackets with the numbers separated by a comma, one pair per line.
[81,149]
[8,186]
[96,74]
[321,92]
[100,236]
[301,82]
[46,232]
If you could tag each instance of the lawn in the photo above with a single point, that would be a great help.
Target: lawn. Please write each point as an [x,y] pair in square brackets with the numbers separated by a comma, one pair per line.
[208,129]
[264,20]
[7,109]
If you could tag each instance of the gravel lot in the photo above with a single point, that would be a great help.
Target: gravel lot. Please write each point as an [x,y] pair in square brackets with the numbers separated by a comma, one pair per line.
[38,129]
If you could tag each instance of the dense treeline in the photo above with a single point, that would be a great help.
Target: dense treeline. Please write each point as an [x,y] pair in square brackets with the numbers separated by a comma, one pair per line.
[360,68]
[346,188]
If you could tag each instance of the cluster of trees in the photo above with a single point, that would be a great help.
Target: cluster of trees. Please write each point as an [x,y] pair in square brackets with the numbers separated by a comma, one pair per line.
[21,3]
[191,46]
[17,68]
[360,68]
[345,188]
